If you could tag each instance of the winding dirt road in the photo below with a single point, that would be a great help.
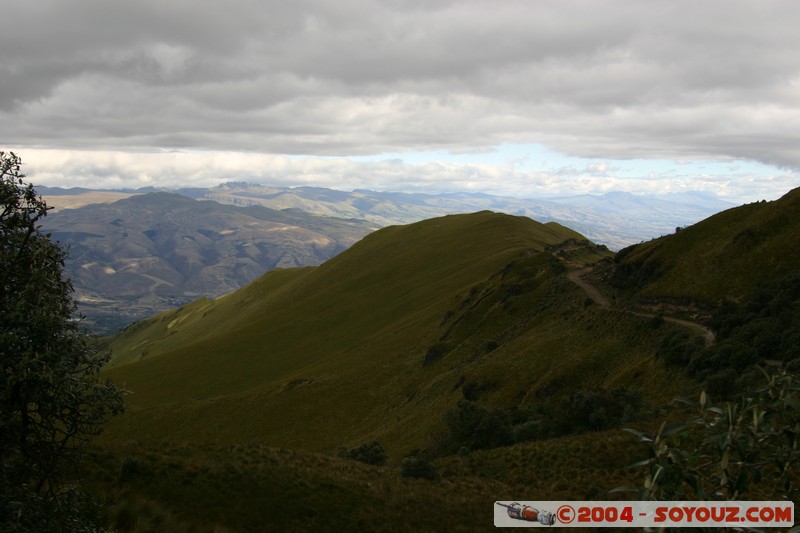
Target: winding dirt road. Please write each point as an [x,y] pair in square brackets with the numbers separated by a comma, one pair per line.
[576,277]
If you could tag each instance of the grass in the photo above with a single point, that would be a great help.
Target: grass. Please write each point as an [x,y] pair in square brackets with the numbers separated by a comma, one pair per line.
[254,488]
[726,255]
[334,355]
[375,344]
[251,487]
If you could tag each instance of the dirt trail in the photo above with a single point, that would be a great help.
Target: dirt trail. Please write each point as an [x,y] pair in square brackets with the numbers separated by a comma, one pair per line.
[576,277]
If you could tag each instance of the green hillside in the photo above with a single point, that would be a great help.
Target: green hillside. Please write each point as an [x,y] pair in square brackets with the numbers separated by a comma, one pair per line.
[249,487]
[739,273]
[381,341]
[726,255]
[483,343]
[462,336]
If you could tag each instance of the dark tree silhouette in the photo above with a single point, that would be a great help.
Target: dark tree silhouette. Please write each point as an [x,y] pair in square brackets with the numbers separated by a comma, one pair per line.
[51,397]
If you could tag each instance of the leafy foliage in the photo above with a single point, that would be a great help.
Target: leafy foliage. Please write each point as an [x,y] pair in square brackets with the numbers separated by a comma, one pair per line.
[51,398]
[746,448]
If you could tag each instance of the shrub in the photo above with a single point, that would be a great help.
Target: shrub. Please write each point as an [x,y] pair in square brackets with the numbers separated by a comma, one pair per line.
[416,465]
[435,352]
[372,453]
[478,427]
[130,467]
[473,426]
[593,410]
[679,347]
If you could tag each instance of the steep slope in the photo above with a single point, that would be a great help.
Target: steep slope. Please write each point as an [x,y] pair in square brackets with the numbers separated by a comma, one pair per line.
[726,255]
[141,255]
[380,341]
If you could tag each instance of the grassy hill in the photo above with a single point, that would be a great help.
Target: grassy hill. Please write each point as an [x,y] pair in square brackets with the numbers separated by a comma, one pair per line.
[726,255]
[380,341]
[739,272]
[460,335]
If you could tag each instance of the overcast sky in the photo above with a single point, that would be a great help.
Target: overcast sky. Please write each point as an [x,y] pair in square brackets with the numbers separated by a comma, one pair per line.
[528,98]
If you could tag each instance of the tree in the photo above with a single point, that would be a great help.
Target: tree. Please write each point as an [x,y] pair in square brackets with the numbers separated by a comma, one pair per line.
[417,465]
[51,397]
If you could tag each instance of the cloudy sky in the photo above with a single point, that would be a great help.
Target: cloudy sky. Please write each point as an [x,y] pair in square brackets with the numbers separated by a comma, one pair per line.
[525,98]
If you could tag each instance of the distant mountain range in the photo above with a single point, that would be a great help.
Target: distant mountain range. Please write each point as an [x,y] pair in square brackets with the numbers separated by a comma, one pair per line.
[138,252]
[616,219]
[149,252]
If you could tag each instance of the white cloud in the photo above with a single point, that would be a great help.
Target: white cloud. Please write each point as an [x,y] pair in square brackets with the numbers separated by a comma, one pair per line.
[609,80]
[116,169]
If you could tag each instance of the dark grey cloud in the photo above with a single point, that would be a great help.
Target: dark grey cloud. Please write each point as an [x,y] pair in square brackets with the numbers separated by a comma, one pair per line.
[611,79]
